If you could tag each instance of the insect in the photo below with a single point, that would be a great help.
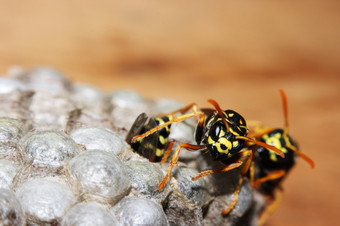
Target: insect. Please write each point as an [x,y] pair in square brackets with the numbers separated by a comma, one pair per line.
[270,168]
[153,146]
[222,133]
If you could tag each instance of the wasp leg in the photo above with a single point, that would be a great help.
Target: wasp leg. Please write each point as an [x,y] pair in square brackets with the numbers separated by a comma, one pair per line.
[199,129]
[182,111]
[229,167]
[174,161]
[200,117]
[185,109]
[272,176]
[249,154]
[270,208]
[252,173]
[176,119]
[233,203]
[167,152]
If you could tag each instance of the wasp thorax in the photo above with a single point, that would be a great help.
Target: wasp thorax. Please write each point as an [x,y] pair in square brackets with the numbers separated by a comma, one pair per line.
[283,142]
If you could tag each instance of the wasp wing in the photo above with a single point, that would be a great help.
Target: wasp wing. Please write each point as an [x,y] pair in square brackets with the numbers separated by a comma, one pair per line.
[148,145]
[136,127]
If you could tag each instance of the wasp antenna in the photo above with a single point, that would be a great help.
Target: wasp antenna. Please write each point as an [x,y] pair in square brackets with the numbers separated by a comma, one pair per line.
[303,156]
[270,147]
[285,111]
[220,112]
[307,159]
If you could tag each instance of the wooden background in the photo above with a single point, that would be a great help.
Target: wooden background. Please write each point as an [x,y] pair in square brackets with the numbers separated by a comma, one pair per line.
[239,53]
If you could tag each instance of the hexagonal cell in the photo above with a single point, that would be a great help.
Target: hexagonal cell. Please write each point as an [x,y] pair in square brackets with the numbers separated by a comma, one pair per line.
[49,148]
[45,199]
[196,191]
[139,211]
[124,106]
[145,178]
[7,173]
[11,212]
[99,175]
[11,130]
[89,214]
[44,79]
[99,139]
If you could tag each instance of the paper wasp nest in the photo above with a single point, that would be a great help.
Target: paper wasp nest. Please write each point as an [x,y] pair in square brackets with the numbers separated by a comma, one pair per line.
[64,161]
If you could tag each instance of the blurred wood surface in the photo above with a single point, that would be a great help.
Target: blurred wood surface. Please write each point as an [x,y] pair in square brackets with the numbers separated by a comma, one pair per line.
[239,53]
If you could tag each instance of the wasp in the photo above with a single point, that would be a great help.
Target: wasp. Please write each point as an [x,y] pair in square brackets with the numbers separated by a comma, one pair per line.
[271,168]
[222,133]
[153,146]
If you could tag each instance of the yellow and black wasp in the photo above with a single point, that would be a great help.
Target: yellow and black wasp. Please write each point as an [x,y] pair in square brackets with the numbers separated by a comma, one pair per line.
[271,168]
[153,146]
[222,133]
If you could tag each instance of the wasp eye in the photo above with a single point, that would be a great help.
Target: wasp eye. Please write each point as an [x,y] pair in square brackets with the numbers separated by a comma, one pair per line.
[216,130]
